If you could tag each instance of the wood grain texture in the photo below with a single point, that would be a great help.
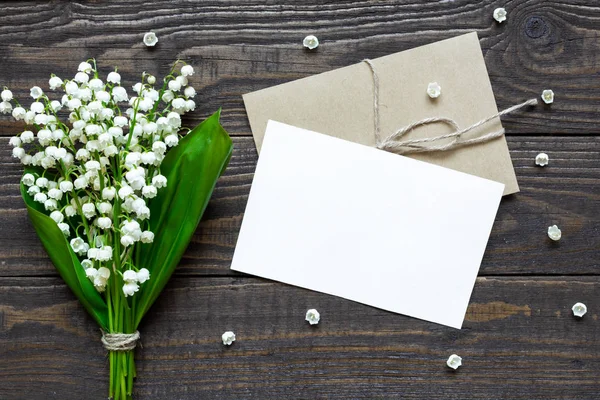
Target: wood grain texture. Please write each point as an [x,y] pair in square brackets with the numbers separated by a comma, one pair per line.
[244,46]
[519,341]
[566,193]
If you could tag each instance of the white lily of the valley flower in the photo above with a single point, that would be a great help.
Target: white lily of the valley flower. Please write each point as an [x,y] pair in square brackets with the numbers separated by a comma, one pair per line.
[554,233]
[228,338]
[500,14]
[104,223]
[579,309]
[6,95]
[5,107]
[548,96]
[434,90]
[65,229]
[147,237]
[312,316]
[114,77]
[187,70]
[143,275]
[129,276]
[310,42]
[150,39]
[57,216]
[454,361]
[19,113]
[28,180]
[85,67]
[129,289]
[542,159]
[55,82]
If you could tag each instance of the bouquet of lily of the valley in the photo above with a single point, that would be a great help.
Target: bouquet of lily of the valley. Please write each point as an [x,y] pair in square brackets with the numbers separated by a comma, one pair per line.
[116,191]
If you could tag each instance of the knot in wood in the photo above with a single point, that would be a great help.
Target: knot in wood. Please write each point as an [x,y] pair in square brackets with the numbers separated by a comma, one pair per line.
[535,27]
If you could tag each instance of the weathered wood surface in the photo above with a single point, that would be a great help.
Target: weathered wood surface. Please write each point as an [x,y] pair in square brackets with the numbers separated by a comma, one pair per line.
[520,340]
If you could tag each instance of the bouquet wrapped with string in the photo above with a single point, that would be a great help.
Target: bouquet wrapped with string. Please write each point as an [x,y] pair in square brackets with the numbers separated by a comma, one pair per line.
[116,191]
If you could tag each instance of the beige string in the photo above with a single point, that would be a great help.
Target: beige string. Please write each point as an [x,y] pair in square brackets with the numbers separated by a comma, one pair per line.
[394,145]
[120,341]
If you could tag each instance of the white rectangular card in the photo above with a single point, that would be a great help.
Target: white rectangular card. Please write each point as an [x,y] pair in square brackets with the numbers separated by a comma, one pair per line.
[370,226]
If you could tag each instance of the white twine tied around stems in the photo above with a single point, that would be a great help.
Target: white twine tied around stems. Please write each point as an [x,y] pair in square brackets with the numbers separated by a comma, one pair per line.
[392,143]
[120,341]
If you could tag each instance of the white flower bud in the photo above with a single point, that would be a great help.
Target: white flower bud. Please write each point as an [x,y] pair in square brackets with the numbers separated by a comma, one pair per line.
[79,246]
[143,275]
[64,228]
[554,233]
[130,276]
[500,14]
[579,309]
[149,192]
[151,79]
[89,210]
[104,223]
[171,140]
[96,84]
[85,67]
[57,216]
[18,113]
[114,77]
[178,104]
[159,147]
[50,205]
[454,361]
[6,95]
[147,237]
[81,77]
[434,90]
[18,152]
[312,316]
[33,190]
[125,191]
[129,289]
[150,39]
[228,338]
[87,264]
[104,272]
[70,211]
[28,180]
[36,92]
[66,186]
[55,82]
[37,107]
[120,121]
[40,197]
[310,42]
[80,183]
[168,96]
[55,194]
[143,213]
[174,85]
[91,272]
[187,70]
[127,240]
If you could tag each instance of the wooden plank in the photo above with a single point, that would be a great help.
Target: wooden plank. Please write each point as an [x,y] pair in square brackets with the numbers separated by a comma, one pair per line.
[567,193]
[519,341]
[240,48]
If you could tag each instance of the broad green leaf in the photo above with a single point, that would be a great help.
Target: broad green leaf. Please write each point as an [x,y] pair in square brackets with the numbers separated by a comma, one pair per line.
[65,261]
[192,169]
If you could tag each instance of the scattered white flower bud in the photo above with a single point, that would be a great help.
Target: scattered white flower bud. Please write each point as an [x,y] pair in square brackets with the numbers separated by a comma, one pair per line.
[500,14]
[312,316]
[6,95]
[147,237]
[310,42]
[129,289]
[554,233]
[151,79]
[548,96]
[434,90]
[541,159]
[143,275]
[454,361]
[150,39]
[579,309]
[228,338]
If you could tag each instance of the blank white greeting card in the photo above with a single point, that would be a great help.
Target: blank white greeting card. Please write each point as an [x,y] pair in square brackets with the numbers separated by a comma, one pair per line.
[370,226]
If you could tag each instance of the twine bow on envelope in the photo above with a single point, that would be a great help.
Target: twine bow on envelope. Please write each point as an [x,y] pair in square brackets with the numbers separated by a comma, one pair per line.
[392,143]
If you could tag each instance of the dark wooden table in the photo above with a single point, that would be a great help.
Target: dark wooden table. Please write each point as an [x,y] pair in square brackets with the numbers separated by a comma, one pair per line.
[520,339]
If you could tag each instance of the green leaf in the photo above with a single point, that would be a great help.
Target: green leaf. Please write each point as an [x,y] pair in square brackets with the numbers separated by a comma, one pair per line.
[65,260]
[192,169]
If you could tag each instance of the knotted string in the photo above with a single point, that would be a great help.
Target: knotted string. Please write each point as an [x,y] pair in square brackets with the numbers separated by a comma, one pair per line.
[120,341]
[392,143]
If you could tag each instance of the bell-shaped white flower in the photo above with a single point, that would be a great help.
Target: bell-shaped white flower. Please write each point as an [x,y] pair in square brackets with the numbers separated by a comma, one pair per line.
[104,223]
[312,316]
[228,338]
[147,237]
[57,216]
[88,210]
[28,179]
[150,39]
[18,113]
[130,276]
[85,67]
[143,275]
[548,96]
[64,228]
[554,233]
[579,309]
[454,361]
[500,14]
[55,82]
[119,94]
[6,95]
[542,159]
[310,42]
[5,107]
[129,289]
[434,90]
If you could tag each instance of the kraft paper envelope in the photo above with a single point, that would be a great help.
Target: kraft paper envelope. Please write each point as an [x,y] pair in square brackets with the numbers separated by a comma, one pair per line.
[366,225]
[340,103]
